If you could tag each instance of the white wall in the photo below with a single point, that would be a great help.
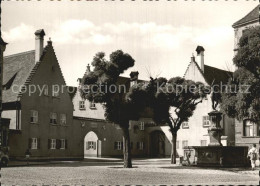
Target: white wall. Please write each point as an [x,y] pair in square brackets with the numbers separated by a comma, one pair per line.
[11,114]
[196,132]
[98,113]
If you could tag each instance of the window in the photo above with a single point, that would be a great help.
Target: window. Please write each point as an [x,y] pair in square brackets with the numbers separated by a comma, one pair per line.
[184,143]
[53,143]
[55,91]
[118,145]
[82,105]
[140,145]
[34,143]
[45,90]
[203,142]
[177,145]
[250,128]
[34,116]
[91,145]
[141,127]
[92,105]
[206,121]
[62,144]
[185,125]
[53,118]
[63,119]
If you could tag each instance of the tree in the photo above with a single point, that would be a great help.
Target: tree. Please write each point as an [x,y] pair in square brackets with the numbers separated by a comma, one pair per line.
[101,86]
[241,100]
[161,95]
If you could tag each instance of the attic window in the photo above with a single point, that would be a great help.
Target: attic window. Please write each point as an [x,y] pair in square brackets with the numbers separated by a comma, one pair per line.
[10,82]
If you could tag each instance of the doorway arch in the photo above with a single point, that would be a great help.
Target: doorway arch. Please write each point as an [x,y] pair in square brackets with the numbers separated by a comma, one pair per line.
[92,145]
[157,144]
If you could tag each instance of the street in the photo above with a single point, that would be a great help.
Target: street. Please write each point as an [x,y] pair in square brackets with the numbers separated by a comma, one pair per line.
[144,171]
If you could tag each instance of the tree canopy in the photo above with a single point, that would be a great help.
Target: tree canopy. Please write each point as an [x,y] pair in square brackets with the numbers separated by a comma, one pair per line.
[103,85]
[178,93]
[242,98]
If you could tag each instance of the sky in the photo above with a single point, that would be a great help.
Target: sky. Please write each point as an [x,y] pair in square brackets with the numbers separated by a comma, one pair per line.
[160,35]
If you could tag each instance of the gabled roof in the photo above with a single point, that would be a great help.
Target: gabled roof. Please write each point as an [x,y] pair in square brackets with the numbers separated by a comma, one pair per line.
[212,75]
[16,69]
[215,75]
[18,72]
[252,16]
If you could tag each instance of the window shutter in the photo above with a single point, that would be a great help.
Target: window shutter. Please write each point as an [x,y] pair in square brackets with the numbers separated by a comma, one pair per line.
[38,143]
[143,145]
[95,145]
[36,116]
[49,143]
[66,144]
[138,145]
[115,145]
[30,143]
[87,145]
[131,145]
[58,143]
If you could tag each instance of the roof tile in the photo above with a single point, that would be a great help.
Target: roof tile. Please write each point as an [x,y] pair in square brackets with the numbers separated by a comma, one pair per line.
[253,15]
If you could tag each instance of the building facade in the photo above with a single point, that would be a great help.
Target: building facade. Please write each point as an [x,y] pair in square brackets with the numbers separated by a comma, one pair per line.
[246,132]
[36,100]
[195,131]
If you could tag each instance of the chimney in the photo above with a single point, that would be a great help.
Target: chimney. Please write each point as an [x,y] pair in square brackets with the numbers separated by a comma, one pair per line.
[133,77]
[200,53]
[39,39]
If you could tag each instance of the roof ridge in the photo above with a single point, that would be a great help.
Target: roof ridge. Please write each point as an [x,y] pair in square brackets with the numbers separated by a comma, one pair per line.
[218,68]
[21,53]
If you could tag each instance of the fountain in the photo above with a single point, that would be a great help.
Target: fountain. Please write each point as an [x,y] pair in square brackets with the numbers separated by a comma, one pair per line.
[215,154]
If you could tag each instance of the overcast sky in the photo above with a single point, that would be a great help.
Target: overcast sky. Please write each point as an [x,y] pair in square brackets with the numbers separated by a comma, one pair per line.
[160,35]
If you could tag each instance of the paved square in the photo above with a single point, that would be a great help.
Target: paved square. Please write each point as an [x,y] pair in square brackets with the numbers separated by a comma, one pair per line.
[111,173]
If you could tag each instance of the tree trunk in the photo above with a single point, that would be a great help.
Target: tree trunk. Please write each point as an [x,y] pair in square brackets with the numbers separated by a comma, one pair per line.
[127,149]
[173,152]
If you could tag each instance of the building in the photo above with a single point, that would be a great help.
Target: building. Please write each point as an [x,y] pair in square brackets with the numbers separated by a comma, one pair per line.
[147,140]
[251,19]
[246,133]
[36,100]
[195,131]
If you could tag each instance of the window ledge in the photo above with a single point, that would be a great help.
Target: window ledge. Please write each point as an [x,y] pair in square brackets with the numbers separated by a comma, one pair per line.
[82,108]
[93,108]
[54,124]
[34,123]
[250,136]
[205,126]
[57,97]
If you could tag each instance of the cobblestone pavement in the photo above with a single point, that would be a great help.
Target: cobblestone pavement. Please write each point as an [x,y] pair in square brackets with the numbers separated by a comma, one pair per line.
[111,173]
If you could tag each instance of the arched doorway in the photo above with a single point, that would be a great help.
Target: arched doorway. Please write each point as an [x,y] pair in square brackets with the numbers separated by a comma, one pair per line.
[92,146]
[157,144]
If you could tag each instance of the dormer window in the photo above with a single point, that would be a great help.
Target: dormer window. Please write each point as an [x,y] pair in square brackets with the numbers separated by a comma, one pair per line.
[55,91]
[45,90]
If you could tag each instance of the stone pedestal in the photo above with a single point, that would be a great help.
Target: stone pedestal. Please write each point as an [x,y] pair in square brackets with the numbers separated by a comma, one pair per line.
[215,130]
